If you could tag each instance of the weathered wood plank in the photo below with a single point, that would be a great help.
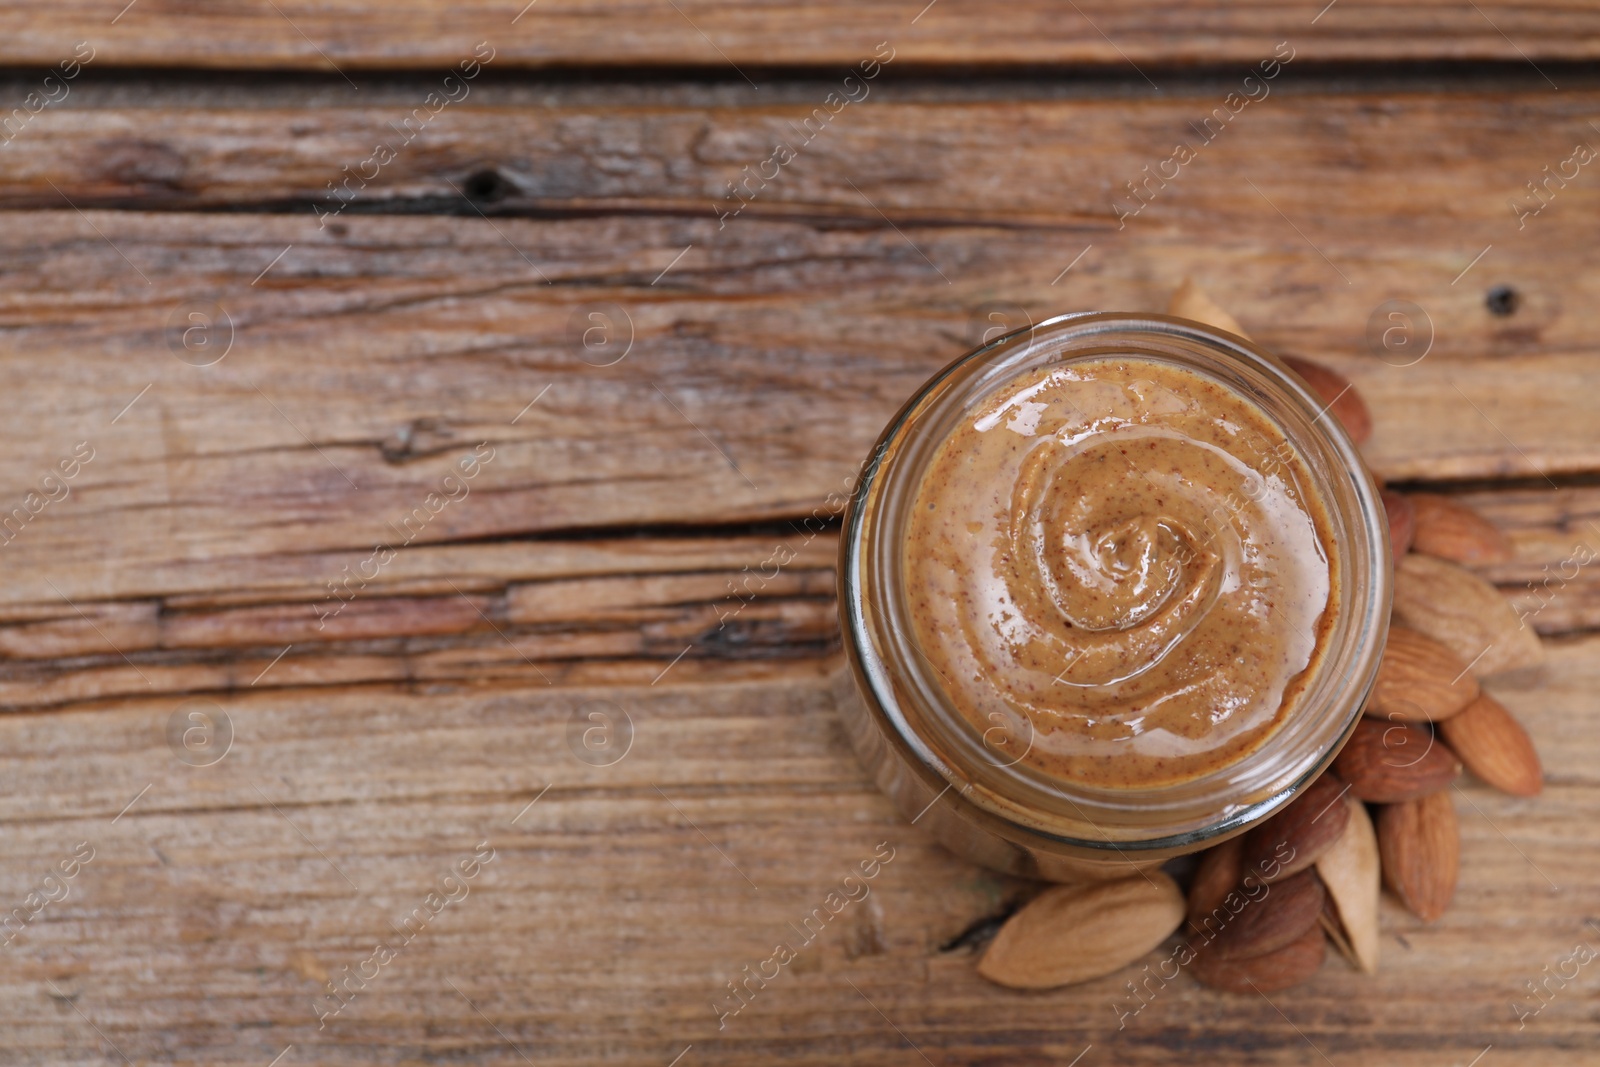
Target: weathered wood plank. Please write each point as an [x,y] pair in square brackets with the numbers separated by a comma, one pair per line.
[1554,581]
[407,331]
[1328,159]
[560,611]
[1369,225]
[354,34]
[217,905]
[530,614]
[217,545]
[372,354]
[762,366]
[553,611]
[369,363]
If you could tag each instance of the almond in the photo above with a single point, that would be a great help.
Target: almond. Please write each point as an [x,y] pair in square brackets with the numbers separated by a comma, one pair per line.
[1269,973]
[1465,614]
[1270,919]
[1218,875]
[1402,521]
[1352,877]
[1495,747]
[1339,393]
[1189,301]
[1073,933]
[1329,920]
[1419,679]
[1290,841]
[1451,530]
[1420,845]
[1386,762]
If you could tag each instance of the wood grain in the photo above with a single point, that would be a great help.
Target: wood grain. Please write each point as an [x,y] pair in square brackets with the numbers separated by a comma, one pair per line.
[355,34]
[368,363]
[1341,224]
[616,553]
[562,611]
[617,903]
[1410,170]
[1554,581]
[490,615]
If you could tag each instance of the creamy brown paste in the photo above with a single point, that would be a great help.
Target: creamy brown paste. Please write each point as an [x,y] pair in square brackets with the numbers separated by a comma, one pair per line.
[1121,568]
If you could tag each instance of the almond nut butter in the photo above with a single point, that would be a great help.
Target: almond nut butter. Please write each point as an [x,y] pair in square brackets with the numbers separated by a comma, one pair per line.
[1420,845]
[1451,530]
[1290,841]
[1282,912]
[1387,762]
[1402,522]
[1352,877]
[1465,614]
[1339,393]
[1071,933]
[1495,747]
[1419,679]
[1269,973]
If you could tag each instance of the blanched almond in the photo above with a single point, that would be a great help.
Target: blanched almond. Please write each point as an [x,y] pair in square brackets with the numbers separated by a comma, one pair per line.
[1335,929]
[1189,301]
[1351,874]
[1074,933]
[1465,614]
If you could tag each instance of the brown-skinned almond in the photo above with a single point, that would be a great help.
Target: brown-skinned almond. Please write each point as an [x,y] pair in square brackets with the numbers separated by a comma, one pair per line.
[1221,891]
[1450,530]
[1420,843]
[1465,614]
[1290,841]
[1387,762]
[1268,973]
[1351,875]
[1270,919]
[1217,876]
[1402,521]
[1495,747]
[1072,933]
[1419,679]
[1339,393]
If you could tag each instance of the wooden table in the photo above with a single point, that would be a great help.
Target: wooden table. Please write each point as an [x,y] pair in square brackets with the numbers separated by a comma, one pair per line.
[278,671]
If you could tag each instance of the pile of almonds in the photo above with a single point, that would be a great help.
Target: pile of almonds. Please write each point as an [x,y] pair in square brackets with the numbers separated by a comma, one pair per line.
[1262,907]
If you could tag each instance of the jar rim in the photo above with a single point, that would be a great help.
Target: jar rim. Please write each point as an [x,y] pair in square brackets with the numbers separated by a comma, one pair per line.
[1069,816]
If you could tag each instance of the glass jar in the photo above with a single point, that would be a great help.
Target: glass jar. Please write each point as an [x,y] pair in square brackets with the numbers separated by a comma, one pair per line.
[944,775]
